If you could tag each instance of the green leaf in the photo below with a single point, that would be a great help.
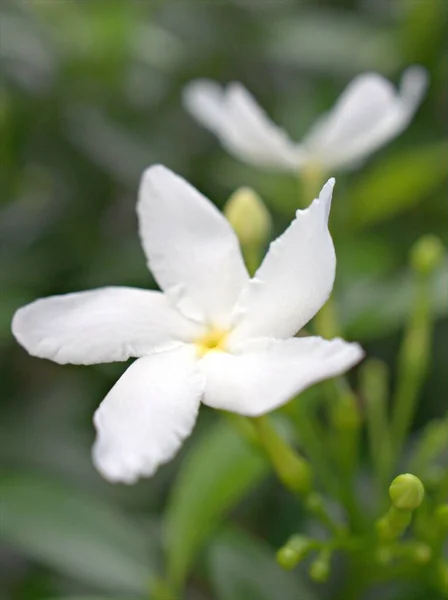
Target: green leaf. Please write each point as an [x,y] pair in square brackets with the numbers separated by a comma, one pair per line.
[293,40]
[396,184]
[220,470]
[374,307]
[242,568]
[76,534]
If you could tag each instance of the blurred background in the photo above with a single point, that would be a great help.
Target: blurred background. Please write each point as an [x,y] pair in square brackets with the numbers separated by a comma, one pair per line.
[91,96]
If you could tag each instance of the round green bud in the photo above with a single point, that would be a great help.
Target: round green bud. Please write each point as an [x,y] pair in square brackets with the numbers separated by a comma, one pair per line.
[320,568]
[421,553]
[427,253]
[406,492]
[295,550]
[248,216]
[441,515]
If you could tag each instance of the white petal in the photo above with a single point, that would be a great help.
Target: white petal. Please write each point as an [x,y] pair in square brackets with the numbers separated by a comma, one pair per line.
[294,280]
[144,419]
[241,125]
[191,248]
[269,372]
[369,113]
[103,325]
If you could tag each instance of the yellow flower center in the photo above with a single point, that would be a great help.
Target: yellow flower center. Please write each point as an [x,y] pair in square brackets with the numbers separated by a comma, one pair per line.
[214,340]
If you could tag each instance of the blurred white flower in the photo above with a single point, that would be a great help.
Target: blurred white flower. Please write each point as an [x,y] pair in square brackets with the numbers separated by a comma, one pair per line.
[214,335]
[369,113]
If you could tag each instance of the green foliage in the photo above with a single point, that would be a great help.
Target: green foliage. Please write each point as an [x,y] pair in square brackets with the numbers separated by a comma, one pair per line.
[76,534]
[243,568]
[90,97]
[397,184]
[220,470]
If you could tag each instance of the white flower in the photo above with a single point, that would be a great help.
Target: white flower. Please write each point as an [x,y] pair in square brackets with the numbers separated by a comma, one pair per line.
[214,335]
[369,113]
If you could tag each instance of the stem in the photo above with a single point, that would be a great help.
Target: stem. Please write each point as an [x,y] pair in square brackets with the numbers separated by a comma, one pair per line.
[344,444]
[374,386]
[316,506]
[412,365]
[310,181]
[311,435]
[291,468]
[294,472]
[341,397]
[326,322]
[244,426]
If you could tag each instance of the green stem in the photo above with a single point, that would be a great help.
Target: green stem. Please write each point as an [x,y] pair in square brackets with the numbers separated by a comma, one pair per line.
[432,443]
[316,506]
[374,388]
[294,472]
[342,400]
[291,468]
[311,435]
[413,363]
[310,182]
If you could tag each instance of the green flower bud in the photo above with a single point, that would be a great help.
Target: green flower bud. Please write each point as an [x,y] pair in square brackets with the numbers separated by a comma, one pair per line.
[441,515]
[406,492]
[421,553]
[294,551]
[320,568]
[249,217]
[427,254]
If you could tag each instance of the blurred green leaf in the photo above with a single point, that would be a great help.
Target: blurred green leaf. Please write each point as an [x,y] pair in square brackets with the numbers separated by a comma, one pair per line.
[75,534]
[219,471]
[243,568]
[423,30]
[294,40]
[372,308]
[396,184]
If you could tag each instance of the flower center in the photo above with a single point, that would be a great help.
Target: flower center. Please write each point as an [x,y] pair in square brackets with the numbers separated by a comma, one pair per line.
[214,340]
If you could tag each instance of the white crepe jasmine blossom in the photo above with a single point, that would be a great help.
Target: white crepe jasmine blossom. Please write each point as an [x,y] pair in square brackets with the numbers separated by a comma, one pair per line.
[369,113]
[214,335]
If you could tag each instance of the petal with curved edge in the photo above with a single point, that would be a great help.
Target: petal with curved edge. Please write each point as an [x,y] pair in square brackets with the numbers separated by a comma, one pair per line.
[267,372]
[144,419]
[369,113]
[192,250]
[293,281]
[103,325]
[242,126]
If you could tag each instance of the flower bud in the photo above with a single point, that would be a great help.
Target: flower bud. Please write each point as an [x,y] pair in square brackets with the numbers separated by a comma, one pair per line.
[295,550]
[406,492]
[426,254]
[320,568]
[421,553]
[249,217]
